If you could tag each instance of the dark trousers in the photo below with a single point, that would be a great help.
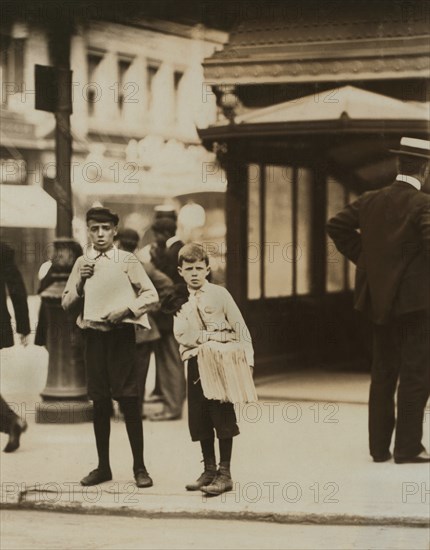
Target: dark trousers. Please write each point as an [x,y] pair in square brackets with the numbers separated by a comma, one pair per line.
[110,360]
[143,357]
[7,416]
[206,416]
[171,374]
[401,354]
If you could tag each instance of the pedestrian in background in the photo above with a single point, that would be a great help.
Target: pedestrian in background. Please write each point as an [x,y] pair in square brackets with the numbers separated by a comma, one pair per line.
[48,275]
[114,292]
[170,369]
[386,233]
[11,279]
[149,255]
[164,255]
[128,240]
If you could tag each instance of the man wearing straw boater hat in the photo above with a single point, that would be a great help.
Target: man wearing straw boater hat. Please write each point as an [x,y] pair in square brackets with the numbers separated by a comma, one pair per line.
[386,233]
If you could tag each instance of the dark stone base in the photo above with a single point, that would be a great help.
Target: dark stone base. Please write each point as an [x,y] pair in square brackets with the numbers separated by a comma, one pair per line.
[56,393]
[64,412]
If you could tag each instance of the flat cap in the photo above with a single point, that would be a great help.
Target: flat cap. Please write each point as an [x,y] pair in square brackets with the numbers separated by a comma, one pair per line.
[102,214]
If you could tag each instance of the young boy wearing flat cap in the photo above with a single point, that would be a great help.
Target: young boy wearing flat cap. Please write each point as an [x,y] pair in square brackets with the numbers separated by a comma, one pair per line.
[113,292]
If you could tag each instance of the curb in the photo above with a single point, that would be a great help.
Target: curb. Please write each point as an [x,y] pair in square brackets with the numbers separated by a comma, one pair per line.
[243,515]
[296,399]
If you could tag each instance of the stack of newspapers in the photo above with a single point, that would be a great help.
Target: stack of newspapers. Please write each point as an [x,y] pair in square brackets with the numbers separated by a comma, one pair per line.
[224,373]
[107,290]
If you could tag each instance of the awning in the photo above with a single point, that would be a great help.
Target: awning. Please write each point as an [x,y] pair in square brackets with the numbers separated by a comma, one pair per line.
[346,109]
[27,206]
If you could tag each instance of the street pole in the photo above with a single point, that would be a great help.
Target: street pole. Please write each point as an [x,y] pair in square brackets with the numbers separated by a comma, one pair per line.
[60,40]
[65,395]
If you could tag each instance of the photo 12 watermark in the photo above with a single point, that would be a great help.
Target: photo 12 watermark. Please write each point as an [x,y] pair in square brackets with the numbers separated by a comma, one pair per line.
[275,492]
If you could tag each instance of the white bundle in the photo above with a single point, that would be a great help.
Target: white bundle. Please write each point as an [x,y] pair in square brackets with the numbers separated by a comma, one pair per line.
[107,290]
[224,373]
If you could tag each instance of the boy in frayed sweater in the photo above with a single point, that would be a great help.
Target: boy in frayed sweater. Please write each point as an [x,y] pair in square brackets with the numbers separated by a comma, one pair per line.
[120,292]
[209,314]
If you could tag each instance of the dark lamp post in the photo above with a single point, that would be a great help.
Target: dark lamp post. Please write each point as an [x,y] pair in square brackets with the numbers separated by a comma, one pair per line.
[65,394]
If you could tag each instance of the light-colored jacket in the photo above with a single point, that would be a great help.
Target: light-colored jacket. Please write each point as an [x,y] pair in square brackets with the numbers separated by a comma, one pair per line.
[212,311]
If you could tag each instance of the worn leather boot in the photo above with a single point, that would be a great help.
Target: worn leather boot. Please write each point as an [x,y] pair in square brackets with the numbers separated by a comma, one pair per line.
[205,479]
[222,482]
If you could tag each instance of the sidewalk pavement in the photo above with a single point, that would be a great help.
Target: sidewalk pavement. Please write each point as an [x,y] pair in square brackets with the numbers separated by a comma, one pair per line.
[301,457]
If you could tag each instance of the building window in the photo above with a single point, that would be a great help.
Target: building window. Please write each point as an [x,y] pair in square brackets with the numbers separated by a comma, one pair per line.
[303,225]
[124,65]
[177,78]
[12,52]
[93,88]
[339,270]
[254,233]
[152,69]
[279,231]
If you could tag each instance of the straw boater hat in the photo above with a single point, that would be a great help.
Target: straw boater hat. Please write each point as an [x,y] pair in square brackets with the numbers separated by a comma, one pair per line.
[165,211]
[413,147]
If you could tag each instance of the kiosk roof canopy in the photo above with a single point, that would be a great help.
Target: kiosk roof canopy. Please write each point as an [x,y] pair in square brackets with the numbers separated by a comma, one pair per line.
[334,104]
[352,129]
[340,110]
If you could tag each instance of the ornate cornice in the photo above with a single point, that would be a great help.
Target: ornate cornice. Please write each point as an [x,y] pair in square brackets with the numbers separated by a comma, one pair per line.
[326,41]
[269,71]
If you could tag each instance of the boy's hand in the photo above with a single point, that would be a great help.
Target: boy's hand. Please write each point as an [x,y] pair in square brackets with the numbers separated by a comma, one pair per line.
[116,316]
[87,271]
[222,337]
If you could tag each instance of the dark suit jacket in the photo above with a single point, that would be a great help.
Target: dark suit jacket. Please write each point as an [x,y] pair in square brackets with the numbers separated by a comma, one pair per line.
[163,284]
[11,278]
[166,260]
[391,250]
[171,262]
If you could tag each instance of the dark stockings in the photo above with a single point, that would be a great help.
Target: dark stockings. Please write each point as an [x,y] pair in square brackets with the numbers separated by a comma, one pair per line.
[132,412]
[101,422]
[225,449]
[208,450]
